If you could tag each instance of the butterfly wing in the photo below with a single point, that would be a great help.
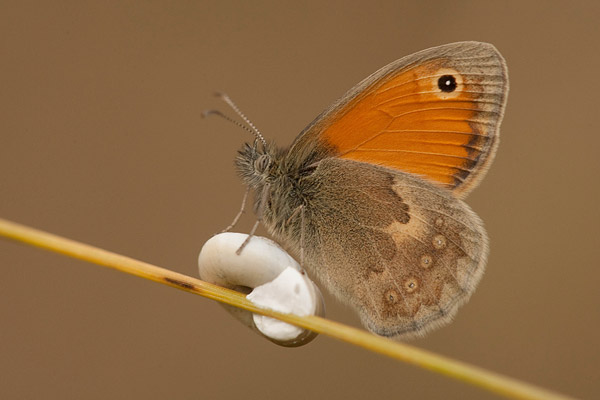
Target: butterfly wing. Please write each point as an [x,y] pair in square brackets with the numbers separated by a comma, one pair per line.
[404,253]
[435,113]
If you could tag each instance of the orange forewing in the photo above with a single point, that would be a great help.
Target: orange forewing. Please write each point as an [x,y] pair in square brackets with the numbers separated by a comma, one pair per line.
[406,122]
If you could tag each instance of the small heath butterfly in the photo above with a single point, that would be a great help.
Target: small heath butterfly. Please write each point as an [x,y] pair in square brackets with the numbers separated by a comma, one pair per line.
[369,195]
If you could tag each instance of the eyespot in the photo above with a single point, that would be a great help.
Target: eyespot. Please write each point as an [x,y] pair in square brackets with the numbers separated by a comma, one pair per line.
[426,261]
[439,242]
[391,296]
[447,83]
[411,284]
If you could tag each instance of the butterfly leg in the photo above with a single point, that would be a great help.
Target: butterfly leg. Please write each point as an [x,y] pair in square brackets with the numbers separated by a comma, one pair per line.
[239,214]
[264,195]
[239,251]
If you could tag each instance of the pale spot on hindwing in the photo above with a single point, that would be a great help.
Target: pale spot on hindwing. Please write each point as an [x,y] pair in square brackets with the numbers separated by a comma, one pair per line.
[411,285]
[426,261]
[391,296]
[439,241]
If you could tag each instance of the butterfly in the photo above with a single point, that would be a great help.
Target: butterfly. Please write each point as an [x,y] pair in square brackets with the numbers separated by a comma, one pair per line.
[369,195]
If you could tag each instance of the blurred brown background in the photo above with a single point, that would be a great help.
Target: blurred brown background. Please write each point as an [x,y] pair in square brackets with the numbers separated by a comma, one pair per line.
[103,142]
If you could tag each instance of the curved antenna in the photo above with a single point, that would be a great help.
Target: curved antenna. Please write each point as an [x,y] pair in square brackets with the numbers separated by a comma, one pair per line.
[235,108]
[206,113]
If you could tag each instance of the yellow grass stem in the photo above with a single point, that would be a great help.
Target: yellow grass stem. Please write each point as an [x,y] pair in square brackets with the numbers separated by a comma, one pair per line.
[488,380]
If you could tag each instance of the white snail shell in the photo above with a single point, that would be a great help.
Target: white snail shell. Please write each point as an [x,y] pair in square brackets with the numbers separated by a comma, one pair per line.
[272,278]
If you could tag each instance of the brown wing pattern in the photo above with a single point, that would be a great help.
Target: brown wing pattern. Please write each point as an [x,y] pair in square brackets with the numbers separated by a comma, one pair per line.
[405,253]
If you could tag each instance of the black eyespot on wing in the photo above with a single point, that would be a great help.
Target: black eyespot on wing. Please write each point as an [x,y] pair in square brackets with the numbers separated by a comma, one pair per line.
[447,83]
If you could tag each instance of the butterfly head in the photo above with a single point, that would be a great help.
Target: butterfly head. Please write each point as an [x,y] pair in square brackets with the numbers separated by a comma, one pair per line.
[256,164]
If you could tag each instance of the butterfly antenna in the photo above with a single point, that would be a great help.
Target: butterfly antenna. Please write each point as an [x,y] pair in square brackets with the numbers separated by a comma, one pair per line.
[206,113]
[235,108]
